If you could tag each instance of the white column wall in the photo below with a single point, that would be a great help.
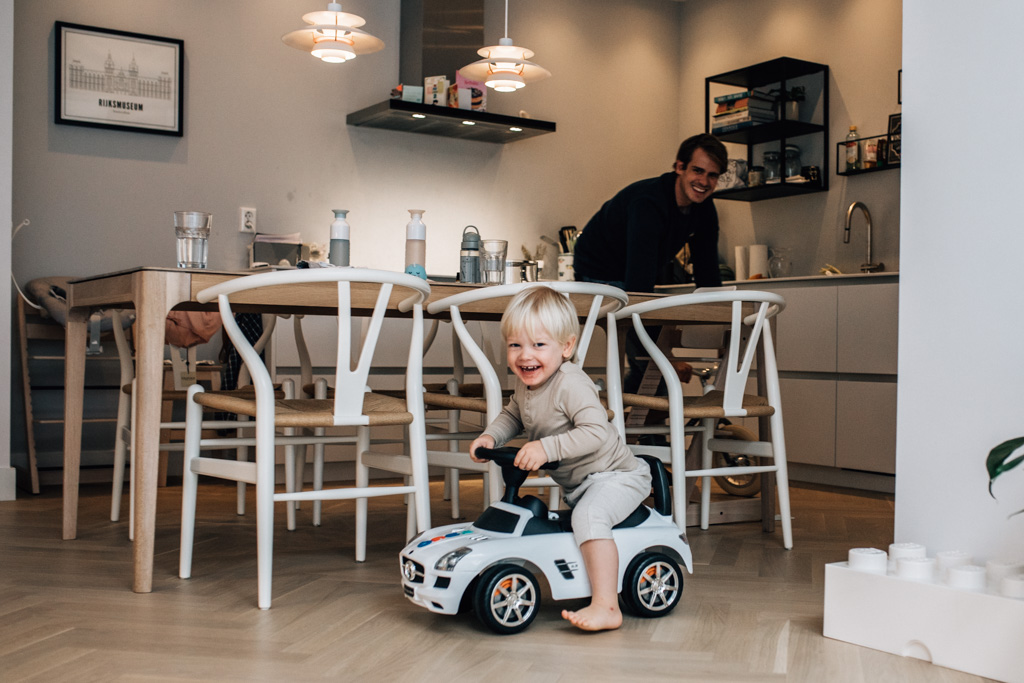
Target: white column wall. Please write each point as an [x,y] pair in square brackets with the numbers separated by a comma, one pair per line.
[961,294]
[6,112]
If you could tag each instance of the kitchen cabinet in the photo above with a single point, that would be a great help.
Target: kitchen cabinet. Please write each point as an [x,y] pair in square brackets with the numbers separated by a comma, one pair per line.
[428,119]
[809,132]
[837,356]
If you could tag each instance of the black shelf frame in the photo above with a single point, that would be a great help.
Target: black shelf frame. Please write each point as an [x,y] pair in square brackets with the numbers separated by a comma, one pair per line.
[428,119]
[779,71]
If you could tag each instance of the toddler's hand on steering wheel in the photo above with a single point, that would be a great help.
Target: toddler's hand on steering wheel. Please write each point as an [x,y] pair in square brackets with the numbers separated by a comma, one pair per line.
[531,457]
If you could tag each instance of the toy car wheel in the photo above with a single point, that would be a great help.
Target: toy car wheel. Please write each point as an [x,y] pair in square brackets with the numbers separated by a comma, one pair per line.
[506,599]
[652,585]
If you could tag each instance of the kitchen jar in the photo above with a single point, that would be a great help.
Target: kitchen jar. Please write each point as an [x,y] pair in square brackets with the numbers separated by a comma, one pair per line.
[771,167]
[793,163]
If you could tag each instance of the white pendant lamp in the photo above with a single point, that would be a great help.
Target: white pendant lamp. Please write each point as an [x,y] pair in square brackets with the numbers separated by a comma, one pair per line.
[333,35]
[504,66]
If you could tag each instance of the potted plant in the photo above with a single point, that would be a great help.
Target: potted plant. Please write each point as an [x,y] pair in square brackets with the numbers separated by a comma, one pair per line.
[1004,458]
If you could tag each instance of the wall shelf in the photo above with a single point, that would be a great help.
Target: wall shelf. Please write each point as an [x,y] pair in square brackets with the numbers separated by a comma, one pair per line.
[778,75]
[841,157]
[428,119]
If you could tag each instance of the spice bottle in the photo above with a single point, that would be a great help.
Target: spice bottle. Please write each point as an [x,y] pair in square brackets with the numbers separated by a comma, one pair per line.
[852,150]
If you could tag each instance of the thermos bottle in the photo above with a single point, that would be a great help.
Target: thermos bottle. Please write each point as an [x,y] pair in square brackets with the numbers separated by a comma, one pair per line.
[469,256]
[340,229]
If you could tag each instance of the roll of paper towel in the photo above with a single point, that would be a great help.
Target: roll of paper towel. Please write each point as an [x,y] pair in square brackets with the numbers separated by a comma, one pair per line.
[741,263]
[758,260]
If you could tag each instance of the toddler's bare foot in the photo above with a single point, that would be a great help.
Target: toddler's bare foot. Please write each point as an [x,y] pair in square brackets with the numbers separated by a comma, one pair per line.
[595,618]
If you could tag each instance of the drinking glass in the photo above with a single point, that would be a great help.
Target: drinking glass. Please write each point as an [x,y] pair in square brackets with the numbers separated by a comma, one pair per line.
[192,229]
[492,260]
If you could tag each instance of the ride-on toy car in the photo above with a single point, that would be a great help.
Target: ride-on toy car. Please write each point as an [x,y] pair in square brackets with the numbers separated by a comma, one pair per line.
[490,566]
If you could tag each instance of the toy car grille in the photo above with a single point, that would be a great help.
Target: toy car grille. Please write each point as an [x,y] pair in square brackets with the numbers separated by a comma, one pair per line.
[412,570]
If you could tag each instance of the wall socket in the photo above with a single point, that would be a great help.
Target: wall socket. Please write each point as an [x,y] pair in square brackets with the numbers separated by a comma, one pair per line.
[246,219]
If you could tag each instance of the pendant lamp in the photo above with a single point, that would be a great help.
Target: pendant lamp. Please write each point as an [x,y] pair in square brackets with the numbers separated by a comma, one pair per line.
[504,66]
[333,35]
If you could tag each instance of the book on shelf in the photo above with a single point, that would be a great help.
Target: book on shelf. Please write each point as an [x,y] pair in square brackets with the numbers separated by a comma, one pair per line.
[718,130]
[754,94]
[744,103]
[739,117]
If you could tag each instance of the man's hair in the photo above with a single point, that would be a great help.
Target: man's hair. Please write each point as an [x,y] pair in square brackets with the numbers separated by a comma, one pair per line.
[710,144]
[541,309]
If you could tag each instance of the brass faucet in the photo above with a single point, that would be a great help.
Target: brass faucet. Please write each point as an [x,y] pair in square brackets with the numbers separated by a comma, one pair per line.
[868,266]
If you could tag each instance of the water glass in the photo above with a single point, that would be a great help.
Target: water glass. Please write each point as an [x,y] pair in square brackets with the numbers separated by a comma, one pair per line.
[192,229]
[492,261]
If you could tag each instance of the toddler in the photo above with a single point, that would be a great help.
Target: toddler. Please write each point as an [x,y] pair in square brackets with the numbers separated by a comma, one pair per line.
[556,405]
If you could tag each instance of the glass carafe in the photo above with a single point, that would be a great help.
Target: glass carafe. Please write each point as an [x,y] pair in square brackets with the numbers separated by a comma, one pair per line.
[779,264]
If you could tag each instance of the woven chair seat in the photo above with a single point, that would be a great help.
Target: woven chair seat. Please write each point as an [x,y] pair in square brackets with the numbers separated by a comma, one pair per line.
[309,412]
[706,406]
[244,392]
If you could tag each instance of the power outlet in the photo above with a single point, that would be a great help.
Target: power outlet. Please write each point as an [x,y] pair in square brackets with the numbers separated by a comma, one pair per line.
[246,219]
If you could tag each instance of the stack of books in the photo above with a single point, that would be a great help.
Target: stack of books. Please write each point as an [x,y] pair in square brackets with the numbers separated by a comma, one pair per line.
[742,110]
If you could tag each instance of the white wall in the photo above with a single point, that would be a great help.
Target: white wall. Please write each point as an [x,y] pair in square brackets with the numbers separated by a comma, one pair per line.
[961,300]
[860,42]
[265,127]
[6,87]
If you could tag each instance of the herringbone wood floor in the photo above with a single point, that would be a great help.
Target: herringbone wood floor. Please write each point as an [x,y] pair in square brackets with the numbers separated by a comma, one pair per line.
[750,612]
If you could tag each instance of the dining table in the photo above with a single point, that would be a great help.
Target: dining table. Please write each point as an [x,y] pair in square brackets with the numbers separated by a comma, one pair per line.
[153,292]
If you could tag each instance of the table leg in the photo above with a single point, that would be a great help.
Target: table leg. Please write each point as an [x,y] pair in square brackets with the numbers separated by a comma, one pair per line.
[151,310]
[764,433]
[74,388]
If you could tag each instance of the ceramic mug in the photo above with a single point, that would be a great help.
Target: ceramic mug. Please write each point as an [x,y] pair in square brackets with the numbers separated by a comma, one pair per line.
[565,269]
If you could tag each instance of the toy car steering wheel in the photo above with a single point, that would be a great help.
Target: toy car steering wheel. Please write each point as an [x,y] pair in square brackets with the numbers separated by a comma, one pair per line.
[514,477]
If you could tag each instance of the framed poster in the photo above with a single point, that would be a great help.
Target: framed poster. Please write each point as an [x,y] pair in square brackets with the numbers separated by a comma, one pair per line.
[895,133]
[116,79]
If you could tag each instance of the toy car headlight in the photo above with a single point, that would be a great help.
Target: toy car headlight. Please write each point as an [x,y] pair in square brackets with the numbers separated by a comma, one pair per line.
[449,560]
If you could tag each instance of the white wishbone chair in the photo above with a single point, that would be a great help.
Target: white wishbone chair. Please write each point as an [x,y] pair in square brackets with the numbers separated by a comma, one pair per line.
[352,405]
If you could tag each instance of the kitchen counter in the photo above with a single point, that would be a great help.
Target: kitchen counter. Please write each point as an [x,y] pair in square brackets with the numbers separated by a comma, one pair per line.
[837,358]
[811,280]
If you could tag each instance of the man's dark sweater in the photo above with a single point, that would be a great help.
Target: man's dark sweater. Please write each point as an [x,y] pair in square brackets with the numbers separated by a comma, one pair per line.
[637,233]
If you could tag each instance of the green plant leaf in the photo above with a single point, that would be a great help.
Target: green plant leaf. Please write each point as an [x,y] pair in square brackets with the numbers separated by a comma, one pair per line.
[999,459]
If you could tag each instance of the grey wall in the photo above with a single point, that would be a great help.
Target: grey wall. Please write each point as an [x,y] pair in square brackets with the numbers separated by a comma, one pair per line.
[860,41]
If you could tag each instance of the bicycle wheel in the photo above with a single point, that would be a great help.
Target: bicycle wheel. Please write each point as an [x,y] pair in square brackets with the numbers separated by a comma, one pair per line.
[746,485]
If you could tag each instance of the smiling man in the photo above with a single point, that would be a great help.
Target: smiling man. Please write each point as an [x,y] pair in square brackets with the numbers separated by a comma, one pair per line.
[634,240]
[661,230]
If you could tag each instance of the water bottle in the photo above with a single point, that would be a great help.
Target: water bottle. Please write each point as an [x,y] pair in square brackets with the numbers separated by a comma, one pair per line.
[852,150]
[339,250]
[416,244]
[469,256]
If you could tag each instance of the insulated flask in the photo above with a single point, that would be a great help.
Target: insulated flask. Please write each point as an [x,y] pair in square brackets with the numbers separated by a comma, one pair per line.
[469,256]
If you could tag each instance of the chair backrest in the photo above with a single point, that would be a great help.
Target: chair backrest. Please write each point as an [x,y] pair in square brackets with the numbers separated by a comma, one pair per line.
[358,290]
[592,300]
[749,312]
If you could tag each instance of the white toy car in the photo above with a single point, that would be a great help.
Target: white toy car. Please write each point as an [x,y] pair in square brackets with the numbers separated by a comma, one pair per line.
[490,566]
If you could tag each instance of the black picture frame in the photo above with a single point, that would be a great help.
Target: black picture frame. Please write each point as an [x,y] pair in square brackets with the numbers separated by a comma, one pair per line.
[894,134]
[899,87]
[120,80]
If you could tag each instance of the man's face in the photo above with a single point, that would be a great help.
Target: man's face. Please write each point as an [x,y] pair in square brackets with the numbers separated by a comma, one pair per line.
[697,180]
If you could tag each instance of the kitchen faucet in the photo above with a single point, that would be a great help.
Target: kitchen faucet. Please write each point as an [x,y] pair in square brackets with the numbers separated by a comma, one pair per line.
[868,266]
